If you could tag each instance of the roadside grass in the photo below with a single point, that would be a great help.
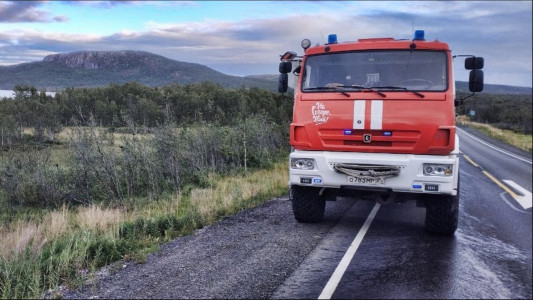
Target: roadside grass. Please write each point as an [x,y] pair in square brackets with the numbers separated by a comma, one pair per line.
[41,250]
[521,141]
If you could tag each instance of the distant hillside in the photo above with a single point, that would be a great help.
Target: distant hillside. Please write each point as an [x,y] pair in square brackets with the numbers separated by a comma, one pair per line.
[101,68]
[462,86]
[269,77]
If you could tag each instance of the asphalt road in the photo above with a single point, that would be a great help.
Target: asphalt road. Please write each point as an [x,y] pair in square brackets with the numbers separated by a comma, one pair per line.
[265,253]
[488,257]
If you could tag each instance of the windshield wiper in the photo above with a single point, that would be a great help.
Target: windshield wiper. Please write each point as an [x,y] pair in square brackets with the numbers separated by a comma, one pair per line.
[366,88]
[332,88]
[337,88]
[401,88]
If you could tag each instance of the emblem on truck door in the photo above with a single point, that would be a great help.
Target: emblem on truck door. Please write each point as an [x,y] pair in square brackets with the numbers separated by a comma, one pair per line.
[367,138]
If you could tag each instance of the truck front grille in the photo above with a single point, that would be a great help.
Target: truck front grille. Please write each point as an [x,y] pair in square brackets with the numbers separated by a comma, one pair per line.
[368,171]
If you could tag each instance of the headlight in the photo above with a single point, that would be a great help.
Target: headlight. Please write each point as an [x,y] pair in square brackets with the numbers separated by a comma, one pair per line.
[302,163]
[438,170]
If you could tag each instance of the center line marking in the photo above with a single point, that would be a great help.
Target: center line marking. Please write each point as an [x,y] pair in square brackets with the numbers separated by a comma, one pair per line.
[333,282]
[470,160]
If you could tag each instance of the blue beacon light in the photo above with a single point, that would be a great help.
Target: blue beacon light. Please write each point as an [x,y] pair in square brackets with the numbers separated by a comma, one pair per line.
[332,39]
[419,35]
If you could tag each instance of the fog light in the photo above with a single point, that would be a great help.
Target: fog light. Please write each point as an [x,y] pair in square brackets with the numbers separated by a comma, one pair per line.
[437,170]
[302,163]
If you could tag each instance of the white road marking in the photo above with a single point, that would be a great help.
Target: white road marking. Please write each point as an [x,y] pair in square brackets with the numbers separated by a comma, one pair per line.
[502,195]
[524,200]
[330,287]
[494,147]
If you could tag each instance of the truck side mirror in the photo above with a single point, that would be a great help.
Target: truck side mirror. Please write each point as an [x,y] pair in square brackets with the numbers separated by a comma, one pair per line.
[474,63]
[475,82]
[283,82]
[285,67]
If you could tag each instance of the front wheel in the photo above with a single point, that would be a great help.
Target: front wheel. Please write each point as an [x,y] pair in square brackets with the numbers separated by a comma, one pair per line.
[307,205]
[442,214]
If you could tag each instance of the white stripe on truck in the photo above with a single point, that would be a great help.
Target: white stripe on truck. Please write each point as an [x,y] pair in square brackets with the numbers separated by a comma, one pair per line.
[376,115]
[359,114]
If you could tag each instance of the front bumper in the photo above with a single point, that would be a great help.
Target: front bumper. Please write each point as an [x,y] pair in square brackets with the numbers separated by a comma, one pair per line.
[411,178]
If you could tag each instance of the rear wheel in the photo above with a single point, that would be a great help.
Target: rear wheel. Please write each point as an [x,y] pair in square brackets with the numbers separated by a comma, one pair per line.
[307,205]
[442,214]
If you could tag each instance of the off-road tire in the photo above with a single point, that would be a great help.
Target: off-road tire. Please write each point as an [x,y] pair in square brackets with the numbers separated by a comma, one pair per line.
[442,214]
[307,205]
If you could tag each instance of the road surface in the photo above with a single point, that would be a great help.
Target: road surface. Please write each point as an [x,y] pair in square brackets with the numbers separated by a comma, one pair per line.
[361,250]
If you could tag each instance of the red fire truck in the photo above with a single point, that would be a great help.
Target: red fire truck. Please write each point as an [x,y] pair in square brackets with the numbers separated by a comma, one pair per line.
[375,118]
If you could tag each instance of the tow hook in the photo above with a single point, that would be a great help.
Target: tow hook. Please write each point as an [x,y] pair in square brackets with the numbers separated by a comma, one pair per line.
[386,198]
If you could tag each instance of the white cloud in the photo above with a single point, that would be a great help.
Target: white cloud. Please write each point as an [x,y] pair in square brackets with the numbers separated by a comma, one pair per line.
[26,11]
[500,31]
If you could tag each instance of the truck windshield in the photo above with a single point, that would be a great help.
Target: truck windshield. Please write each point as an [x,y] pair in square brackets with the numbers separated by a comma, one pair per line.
[390,70]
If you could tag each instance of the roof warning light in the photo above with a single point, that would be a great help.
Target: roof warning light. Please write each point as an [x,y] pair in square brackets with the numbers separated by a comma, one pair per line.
[332,39]
[419,35]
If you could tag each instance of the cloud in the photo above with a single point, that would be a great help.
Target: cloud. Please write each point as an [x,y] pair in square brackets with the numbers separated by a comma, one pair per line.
[116,3]
[501,32]
[100,4]
[26,11]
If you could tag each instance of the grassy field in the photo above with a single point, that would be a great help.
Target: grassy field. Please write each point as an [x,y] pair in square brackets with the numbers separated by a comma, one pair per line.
[521,141]
[44,247]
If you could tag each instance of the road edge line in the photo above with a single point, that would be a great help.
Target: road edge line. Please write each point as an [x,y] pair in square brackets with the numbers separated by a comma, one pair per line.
[496,148]
[336,277]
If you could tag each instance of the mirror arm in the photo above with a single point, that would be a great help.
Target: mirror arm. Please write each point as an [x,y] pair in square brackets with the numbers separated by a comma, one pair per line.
[297,70]
[460,101]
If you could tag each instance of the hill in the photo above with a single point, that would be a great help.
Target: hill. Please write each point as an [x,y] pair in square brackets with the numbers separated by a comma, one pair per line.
[101,68]
[462,86]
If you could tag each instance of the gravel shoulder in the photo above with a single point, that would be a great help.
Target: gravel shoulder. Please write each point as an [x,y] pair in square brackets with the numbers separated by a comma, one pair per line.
[246,255]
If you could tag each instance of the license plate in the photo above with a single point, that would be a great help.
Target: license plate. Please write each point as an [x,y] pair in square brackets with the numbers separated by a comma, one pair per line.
[376,180]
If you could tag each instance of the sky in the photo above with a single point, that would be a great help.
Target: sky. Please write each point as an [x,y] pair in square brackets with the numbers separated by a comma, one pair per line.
[247,37]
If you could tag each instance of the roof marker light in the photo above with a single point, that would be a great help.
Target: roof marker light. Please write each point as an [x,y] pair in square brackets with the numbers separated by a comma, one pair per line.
[419,35]
[332,39]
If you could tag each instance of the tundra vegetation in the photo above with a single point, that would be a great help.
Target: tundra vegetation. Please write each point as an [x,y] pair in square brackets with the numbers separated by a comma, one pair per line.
[506,117]
[91,176]
[94,175]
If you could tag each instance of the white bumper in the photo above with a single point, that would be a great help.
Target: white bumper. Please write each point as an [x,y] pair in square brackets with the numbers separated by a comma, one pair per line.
[410,180]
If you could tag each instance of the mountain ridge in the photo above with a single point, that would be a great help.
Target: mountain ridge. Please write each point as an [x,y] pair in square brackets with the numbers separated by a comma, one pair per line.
[101,68]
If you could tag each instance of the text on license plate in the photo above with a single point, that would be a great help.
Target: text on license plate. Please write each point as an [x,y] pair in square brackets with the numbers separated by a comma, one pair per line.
[376,180]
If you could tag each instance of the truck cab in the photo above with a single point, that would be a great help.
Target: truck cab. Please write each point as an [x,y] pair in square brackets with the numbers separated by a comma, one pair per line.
[375,118]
